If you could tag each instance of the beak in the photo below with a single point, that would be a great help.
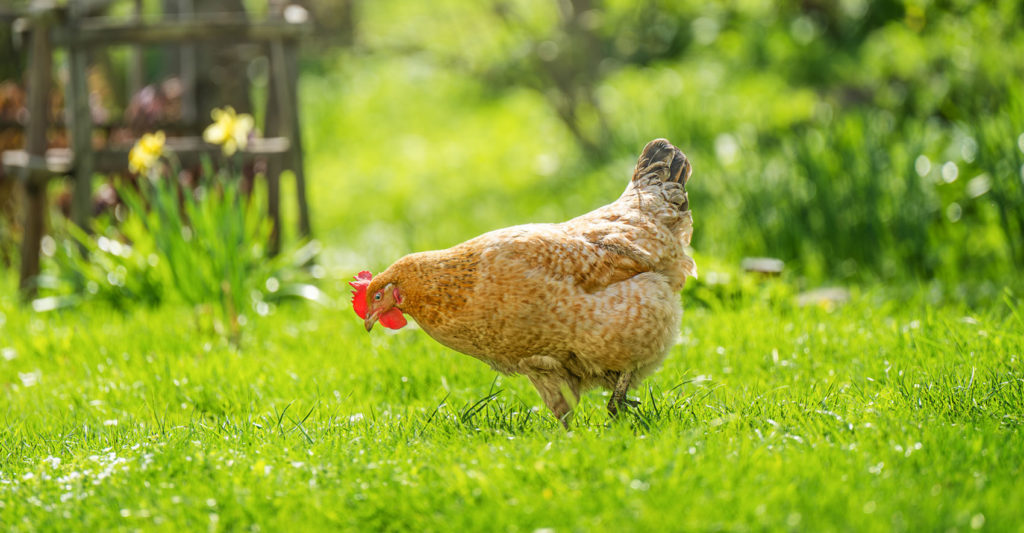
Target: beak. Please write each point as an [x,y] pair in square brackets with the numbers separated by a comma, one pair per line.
[371,319]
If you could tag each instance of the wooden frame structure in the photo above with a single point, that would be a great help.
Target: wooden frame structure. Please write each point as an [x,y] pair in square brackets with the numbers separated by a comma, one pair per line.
[48,26]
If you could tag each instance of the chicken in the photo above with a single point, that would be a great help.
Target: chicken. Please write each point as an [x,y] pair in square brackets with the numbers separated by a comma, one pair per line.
[591,302]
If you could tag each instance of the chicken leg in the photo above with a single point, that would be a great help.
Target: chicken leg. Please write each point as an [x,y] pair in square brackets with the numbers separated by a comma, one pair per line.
[559,390]
[618,399]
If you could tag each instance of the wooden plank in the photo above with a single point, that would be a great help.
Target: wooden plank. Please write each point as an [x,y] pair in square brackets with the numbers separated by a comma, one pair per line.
[283,116]
[80,117]
[188,150]
[40,168]
[31,239]
[274,210]
[291,65]
[188,71]
[183,145]
[188,154]
[40,77]
[11,124]
[277,123]
[136,75]
[223,27]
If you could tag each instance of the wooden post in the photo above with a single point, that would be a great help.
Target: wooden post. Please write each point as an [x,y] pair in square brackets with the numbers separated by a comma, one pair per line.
[35,144]
[135,66]
[187,54]
[80,129]
[35,213]
[295,135]
[274,203]
[277,125]
[283,120]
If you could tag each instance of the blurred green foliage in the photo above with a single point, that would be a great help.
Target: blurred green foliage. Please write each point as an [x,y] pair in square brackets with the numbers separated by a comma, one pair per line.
[855,140]
[858,141]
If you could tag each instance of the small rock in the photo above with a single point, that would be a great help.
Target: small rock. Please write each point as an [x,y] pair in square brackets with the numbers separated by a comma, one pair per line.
[825,296]
[764,265]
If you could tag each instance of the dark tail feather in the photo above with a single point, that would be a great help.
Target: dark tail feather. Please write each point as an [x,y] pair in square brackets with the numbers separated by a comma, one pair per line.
[663,162]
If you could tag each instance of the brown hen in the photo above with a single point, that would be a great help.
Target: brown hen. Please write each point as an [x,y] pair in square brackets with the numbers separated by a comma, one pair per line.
[590,302]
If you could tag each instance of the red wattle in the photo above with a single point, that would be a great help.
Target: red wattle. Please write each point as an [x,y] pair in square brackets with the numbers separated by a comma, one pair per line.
[393,319]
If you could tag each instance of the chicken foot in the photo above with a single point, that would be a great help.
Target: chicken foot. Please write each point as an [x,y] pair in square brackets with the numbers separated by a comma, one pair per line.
[618,399]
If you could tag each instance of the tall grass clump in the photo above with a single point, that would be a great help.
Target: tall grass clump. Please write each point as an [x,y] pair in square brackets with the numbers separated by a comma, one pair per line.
[1000,146]
[849,187]
[864,196]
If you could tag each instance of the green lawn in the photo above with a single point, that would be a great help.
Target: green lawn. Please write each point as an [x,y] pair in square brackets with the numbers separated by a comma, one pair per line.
[881,414]
[877,146]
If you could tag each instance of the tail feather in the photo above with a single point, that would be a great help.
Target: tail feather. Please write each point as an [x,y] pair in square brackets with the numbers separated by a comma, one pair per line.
[662,162]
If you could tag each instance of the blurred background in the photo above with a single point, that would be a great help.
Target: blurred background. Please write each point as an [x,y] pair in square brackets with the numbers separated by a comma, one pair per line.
[859,142]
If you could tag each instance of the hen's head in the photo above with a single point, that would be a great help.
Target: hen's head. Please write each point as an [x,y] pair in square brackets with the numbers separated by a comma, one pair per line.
[377,300]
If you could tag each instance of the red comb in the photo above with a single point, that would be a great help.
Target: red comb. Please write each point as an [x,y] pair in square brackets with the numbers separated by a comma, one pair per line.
[392,319]
[359,294]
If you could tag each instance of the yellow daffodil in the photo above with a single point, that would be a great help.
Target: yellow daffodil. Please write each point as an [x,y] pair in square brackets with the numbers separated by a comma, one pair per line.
[229,130]
[146,152]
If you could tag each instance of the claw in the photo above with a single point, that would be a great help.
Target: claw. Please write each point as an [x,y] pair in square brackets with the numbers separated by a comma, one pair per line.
[624,404]
[613,409]
[618,399]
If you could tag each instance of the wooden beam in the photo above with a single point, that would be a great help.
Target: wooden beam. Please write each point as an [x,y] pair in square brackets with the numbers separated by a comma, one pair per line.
[190,151]
[32,168]
[217,27]
[187,150]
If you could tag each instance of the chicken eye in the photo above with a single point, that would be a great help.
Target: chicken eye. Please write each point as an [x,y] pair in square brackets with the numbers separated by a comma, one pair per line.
[377,296]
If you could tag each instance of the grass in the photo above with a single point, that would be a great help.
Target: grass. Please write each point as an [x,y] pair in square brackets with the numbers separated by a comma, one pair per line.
[898,411]
[870,416]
